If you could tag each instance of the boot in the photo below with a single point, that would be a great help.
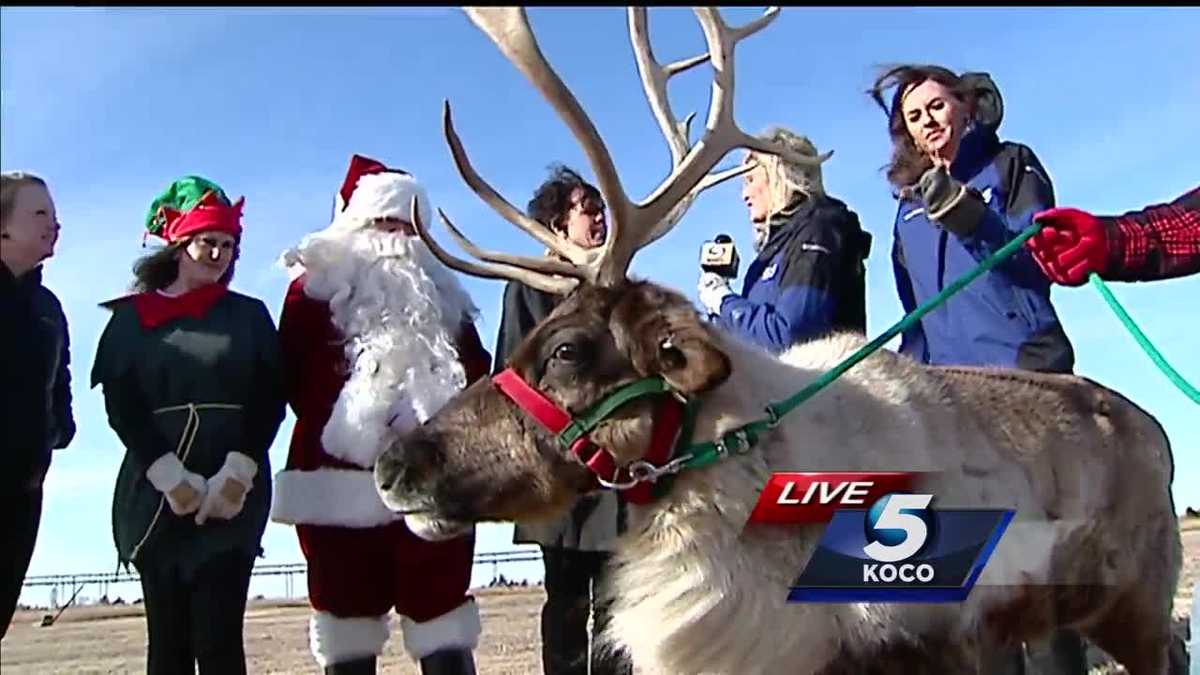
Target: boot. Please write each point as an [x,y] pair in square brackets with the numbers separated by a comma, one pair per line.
[449,662]
[363,666]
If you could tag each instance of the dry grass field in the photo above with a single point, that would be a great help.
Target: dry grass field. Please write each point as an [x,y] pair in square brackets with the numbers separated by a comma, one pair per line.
[94,640]
[89,640]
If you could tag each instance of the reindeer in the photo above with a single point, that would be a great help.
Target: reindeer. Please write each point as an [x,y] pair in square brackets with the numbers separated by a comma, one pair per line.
[1094,545]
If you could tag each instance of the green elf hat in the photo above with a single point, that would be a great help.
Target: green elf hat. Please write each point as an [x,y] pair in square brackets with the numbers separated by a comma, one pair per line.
[193,204]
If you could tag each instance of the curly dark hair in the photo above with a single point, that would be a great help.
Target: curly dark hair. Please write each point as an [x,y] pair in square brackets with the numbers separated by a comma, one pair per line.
[159,269]
[552,199]
[908,163]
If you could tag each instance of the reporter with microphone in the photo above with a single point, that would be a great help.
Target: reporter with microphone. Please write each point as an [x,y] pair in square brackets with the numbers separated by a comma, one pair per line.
[809,277]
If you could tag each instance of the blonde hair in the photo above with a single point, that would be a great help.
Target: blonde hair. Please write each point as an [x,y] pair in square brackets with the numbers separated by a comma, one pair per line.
[10,184]
[786,180]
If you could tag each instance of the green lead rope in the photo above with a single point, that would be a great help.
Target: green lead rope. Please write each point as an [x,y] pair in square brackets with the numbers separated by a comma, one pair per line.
[1143,341]
[740,440]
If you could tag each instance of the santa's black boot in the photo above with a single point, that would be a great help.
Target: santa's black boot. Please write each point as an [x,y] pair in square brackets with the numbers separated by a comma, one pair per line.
[363,666]
[449,662]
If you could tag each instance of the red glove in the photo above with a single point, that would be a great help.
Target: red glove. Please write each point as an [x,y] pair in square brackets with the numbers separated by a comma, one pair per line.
[1071,246]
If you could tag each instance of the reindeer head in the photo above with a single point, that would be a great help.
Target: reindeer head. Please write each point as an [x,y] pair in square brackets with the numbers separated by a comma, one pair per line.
[484,457]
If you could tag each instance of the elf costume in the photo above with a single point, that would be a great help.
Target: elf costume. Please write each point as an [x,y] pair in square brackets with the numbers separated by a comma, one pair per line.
[193,388]
[377,335]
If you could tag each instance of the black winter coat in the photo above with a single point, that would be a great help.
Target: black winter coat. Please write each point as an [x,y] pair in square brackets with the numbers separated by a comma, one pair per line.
[35,372]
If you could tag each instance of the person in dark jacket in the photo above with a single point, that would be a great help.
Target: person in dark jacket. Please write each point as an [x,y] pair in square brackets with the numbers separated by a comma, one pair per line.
[34,350]
[964,194]
[193,387]
[577,547]
[1158,242]
[809,278]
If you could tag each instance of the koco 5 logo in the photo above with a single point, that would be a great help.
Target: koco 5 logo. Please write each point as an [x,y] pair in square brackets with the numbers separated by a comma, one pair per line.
[883,542]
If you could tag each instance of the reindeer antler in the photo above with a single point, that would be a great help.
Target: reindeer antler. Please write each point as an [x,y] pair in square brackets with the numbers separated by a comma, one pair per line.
[631,226]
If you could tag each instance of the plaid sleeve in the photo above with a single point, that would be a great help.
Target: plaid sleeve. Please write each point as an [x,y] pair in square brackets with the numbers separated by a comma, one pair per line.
[1158,242]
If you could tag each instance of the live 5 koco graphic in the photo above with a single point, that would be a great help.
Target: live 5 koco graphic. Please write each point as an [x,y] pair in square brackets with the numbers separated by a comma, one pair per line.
[883,541]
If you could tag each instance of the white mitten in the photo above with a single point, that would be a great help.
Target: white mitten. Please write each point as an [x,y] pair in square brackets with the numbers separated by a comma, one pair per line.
[713,289]
[227,488]
[185,491]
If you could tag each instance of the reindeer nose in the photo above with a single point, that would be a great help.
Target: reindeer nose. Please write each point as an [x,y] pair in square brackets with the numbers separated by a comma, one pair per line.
[407,463]
[422,454]
[387,471]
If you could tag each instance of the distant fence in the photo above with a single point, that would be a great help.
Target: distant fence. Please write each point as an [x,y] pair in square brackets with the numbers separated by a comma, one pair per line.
[287,570]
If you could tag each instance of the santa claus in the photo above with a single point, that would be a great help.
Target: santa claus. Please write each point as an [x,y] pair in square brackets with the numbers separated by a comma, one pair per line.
[377,335]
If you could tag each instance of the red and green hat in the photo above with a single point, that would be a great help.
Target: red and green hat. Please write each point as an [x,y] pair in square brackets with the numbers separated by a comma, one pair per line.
[193,204]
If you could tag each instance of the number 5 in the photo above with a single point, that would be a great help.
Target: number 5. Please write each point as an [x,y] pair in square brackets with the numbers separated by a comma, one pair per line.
[892,518]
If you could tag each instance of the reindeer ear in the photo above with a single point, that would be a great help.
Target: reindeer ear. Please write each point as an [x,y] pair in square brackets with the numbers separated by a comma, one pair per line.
[690,362]
[664,336]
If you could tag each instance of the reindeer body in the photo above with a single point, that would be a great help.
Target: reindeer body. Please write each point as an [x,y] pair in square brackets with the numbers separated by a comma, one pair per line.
[696,590]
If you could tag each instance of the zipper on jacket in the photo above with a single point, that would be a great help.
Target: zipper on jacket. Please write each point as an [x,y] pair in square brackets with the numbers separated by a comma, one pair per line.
[943,236]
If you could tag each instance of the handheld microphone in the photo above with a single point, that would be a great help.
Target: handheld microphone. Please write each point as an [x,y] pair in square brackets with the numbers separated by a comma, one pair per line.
[720,257]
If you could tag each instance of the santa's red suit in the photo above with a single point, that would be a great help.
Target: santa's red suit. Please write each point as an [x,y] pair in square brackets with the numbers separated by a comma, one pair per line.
[377,335]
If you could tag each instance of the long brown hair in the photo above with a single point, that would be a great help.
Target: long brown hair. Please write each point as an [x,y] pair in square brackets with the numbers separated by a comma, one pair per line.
[159,269]
[908,162]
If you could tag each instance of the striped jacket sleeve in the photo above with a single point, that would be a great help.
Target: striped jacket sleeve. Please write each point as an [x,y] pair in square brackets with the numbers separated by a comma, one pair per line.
[1157,242]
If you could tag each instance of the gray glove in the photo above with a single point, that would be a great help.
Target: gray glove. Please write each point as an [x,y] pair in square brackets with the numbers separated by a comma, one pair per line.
[948,202]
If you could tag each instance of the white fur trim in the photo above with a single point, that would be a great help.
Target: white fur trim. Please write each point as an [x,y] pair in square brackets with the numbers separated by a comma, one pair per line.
[342,497]
[334,639]
[378,195]
[294,270]
[457,629]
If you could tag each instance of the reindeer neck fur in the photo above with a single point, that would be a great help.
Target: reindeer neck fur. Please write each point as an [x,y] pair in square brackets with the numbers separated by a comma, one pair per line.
[694,588]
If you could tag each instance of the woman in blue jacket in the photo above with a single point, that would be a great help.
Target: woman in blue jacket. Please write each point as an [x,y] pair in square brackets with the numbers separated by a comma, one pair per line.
[963,194]
[809,277]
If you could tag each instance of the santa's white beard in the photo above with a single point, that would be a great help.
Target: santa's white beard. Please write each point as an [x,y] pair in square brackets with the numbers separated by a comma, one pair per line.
[400,312]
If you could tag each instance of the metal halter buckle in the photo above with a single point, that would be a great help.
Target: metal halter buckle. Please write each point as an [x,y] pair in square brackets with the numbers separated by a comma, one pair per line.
[642,471]
[614,485]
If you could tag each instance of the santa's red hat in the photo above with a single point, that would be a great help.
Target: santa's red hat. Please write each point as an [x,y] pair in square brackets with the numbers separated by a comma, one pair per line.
[373,190]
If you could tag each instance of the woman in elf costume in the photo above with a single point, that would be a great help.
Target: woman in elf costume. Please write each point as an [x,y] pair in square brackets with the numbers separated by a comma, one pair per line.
[193,388]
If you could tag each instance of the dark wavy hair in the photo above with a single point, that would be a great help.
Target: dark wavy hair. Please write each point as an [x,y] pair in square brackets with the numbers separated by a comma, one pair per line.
[908,163]
[552,199]
[159,269]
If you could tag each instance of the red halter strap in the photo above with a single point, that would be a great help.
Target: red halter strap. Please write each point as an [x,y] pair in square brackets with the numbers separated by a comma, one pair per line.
[667,423]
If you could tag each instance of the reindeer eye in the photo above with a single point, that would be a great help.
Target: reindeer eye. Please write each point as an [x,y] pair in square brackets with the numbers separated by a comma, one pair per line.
[568,352]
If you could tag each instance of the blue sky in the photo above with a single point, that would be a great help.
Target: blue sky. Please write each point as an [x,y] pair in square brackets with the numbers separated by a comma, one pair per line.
[111,104]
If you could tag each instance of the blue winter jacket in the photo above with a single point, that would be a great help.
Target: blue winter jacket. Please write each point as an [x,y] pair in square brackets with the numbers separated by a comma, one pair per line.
[1004,318]
[807,280]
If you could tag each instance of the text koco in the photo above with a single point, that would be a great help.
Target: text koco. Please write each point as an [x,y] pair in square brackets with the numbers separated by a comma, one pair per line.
[888,573]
